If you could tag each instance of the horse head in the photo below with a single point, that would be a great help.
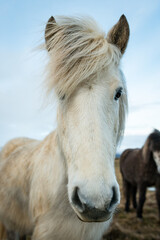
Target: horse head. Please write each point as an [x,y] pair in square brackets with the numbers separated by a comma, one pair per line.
[155,147]
[84,70]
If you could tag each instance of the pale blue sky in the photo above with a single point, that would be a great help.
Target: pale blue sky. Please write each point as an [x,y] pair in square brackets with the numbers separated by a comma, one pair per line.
[21,67]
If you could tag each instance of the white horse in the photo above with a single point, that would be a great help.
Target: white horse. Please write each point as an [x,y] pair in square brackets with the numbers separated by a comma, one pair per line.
[65,187]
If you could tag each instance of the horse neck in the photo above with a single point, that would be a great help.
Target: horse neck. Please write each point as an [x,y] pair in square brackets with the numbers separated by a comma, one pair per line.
[55,157]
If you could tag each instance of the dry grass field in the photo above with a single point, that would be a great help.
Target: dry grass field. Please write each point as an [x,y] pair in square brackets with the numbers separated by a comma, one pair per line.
[127,227]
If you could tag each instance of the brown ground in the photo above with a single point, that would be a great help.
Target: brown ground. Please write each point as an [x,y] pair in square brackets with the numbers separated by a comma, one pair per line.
[127,227]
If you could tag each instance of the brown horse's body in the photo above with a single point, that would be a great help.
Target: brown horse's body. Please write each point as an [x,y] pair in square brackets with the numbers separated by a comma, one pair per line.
[139,171]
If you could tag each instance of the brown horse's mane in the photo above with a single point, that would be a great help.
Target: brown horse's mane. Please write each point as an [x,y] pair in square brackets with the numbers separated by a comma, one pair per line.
[152,143]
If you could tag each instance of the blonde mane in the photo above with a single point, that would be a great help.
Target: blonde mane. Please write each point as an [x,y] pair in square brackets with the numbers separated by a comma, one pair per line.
[78,50]
[123,110]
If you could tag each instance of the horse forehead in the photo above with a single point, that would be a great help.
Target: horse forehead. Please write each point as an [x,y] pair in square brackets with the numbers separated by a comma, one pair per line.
[108,79]
[113,76]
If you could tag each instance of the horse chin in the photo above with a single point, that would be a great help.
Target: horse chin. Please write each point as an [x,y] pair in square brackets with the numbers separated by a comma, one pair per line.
[86,219]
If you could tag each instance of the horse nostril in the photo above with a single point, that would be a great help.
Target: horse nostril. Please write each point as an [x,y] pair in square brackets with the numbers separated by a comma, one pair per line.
[76,200]
[114,199]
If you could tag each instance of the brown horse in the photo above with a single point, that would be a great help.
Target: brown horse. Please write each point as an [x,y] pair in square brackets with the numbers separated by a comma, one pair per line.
[140,169]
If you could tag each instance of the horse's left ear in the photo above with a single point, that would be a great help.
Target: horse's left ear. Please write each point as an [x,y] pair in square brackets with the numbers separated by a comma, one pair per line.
[119,34]
[48,32]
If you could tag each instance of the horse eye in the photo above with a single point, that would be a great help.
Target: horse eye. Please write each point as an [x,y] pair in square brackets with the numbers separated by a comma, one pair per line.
[118,94]
[63,97]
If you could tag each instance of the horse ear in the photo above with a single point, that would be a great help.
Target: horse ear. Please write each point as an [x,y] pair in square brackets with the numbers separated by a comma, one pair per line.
[119,34]
[48,32]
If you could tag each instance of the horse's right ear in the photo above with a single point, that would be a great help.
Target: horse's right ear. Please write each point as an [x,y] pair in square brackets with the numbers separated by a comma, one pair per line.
[48,32]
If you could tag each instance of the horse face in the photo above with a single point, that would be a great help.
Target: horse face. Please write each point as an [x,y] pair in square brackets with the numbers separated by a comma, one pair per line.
[156,156]
[88,130]
[91,111]
[154,147]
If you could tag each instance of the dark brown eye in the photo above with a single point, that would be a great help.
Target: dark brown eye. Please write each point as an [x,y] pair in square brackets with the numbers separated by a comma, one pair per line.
[118,94]
[63,97]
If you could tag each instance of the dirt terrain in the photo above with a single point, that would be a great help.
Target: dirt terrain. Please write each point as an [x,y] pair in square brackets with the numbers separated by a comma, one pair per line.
[127,227]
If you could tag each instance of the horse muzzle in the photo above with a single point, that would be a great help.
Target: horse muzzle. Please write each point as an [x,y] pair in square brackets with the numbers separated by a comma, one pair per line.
[86,211]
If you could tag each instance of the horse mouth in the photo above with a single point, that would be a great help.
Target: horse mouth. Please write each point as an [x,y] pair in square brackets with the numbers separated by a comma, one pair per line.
[95,219]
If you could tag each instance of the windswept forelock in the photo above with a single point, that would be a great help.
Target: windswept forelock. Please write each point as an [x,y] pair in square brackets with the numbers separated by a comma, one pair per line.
[78,50]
